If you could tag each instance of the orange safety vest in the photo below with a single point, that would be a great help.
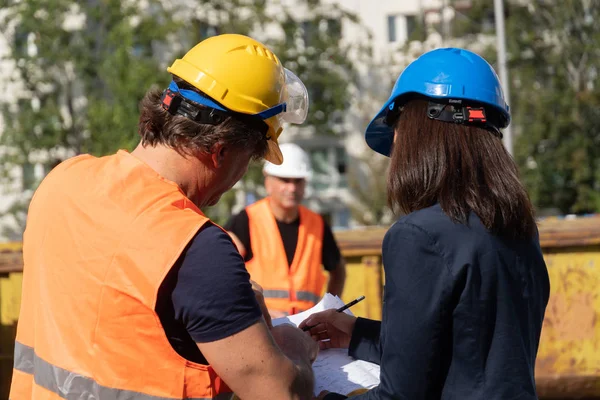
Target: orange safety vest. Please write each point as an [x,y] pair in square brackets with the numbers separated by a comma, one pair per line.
[288,288]
[102,234]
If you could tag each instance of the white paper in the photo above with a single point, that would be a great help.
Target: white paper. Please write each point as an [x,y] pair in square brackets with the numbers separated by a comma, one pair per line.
[334,369]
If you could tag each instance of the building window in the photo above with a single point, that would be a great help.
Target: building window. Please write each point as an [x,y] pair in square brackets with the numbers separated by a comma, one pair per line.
[334,28]
[411,25]
[319,159]
[391,28]
[326,27]
[341,159]
[401,27]
[329,165]
[341,218]
[308,32]
[28,177]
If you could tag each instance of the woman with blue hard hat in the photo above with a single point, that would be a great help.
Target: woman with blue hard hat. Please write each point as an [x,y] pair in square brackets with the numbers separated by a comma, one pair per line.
[466,286]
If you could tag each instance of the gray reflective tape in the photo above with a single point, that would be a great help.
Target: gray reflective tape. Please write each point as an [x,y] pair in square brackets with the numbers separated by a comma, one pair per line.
[308,296]
[284,294]
[23,358]
[276,294]
[71,386]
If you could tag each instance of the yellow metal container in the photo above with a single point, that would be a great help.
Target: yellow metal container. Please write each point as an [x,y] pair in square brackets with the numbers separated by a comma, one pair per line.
[568,365]
[10,303]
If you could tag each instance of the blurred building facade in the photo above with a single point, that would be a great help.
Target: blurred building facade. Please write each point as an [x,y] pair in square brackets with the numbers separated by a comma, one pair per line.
[341,162]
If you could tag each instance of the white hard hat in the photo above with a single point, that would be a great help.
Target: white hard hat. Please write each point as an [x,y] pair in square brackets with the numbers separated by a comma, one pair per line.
[296,163]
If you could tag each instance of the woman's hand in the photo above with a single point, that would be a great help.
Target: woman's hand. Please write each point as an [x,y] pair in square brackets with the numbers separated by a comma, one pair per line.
[330,328]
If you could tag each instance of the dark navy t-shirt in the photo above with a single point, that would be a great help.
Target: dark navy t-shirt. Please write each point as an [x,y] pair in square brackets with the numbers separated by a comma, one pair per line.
[207,295]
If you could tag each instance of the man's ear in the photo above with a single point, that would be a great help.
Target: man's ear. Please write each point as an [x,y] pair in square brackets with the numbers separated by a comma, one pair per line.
[218,154]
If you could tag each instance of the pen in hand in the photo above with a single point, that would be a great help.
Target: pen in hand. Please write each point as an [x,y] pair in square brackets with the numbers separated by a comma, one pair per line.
[341,309]
[348,305]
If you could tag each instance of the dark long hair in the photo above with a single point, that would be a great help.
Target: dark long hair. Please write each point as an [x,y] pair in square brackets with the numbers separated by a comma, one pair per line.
[464,168]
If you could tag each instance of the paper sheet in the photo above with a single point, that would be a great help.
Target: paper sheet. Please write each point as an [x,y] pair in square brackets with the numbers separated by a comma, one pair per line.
[334,369]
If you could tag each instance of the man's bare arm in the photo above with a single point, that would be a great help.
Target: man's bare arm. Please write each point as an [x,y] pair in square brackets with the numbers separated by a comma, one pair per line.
[256,365]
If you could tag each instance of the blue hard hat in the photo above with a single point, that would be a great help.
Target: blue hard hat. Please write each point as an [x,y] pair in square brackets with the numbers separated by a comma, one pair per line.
[448,73]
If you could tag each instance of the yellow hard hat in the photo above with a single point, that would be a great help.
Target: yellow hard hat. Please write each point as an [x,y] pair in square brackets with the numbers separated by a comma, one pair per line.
[241,75]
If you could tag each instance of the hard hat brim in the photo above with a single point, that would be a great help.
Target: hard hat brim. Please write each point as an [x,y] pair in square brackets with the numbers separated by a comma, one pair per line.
[273,152]
[379,136]
[288,175]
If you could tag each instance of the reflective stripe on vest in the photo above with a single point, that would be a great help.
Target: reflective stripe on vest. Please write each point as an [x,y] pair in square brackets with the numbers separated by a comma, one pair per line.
[69,385]
[284,294]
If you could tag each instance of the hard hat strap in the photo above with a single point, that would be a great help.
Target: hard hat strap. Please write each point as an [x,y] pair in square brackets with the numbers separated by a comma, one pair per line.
[174,102]
[455,111]
[451,110]
[273,111]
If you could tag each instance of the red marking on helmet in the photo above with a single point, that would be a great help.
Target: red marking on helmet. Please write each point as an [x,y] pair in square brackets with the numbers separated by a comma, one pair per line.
[476,114]
[168,99]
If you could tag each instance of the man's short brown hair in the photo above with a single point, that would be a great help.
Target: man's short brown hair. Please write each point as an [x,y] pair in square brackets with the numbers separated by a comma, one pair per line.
[158,126]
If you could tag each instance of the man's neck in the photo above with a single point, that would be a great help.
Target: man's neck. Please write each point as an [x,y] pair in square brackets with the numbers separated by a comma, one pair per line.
[188,172]
[282,214]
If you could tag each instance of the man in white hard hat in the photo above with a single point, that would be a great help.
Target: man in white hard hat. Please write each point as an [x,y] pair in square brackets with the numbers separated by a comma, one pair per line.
[285,245]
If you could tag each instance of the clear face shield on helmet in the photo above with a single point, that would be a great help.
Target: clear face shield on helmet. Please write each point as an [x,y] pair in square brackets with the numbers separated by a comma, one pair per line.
[293,106]
[295,96]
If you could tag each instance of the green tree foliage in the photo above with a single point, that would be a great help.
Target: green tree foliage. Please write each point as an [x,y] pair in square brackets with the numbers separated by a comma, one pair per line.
[86,78]
[80,69]
[554,59]
[554,67]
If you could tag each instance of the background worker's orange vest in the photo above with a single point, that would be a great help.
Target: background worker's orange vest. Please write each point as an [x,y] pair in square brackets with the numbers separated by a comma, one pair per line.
[102,233]
[289,288]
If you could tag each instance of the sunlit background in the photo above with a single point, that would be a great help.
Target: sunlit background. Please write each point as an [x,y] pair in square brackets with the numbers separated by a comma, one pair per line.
[72,73]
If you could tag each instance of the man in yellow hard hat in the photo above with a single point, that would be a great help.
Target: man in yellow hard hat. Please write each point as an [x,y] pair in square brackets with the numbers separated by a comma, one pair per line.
[129,291]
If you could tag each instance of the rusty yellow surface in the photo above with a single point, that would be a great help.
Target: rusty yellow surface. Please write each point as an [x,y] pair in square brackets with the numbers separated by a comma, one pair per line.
[570,344]
[10,298]
[364,279]
[10,302]
[11,246]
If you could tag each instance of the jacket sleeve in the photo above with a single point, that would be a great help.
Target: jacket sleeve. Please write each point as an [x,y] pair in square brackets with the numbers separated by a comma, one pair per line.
[364,344]
[415,330]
